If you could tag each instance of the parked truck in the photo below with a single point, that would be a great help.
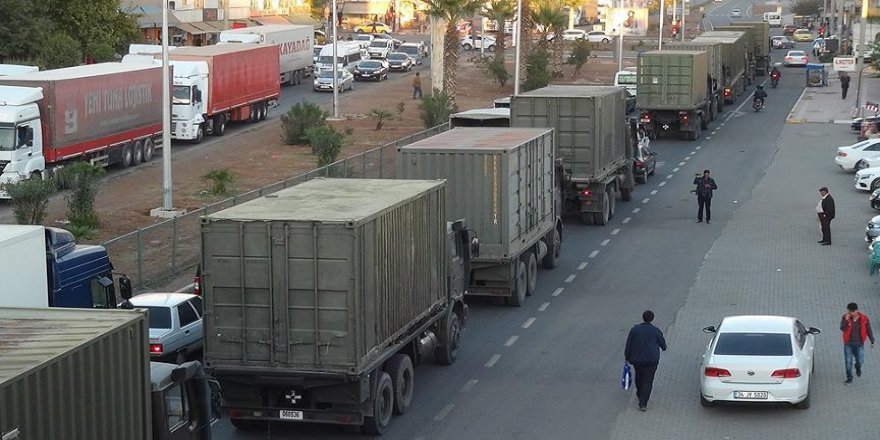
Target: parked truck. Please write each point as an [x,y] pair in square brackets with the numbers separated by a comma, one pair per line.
[715,79]
[219,84]
[86,375]
[44,267]
[16,69]
[295,47]
[321,298]
[757,44]
[108,113]
[592,141]
[502,180]
[673,92]
[733,58]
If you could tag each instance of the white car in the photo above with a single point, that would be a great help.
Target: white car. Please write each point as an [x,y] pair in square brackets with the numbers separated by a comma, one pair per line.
[868,179]
[758,359]
[855,156]
[176,330]
[469,43]
[364,40]
[380,48]
[574,35]
[736,13]
[598,37]
[796,58]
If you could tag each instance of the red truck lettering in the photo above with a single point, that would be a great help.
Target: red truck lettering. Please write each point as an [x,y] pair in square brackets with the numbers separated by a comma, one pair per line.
[294,46]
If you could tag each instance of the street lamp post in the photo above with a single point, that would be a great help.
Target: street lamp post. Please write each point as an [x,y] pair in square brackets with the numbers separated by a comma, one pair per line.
[681,30]
[860,55]
[167,201]
[662,17]
[335,69]
[517,36]
[620,36]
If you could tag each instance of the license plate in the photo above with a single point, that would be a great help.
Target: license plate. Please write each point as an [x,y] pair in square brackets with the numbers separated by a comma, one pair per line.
[297,415]
[750,394]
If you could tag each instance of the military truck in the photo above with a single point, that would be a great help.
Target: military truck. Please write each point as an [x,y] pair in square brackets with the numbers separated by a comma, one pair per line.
[672,92]
[503,181]
[715,78]
[593,144]
[757,44]
[321,298]
[733,58]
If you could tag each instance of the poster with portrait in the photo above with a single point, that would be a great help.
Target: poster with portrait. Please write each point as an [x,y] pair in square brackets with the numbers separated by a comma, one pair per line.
[632,21]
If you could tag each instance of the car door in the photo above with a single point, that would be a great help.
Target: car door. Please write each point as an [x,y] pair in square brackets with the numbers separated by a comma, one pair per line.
[805,345]
[199,326]
[872,150]
[189,321]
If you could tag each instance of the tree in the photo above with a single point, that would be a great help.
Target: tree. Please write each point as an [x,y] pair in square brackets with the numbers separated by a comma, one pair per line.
[875,57]
[59,50]
[451,11]
[500,11]
[537,69]
[550,18]
[326,142]
[301,117]
[92,21]
[580,54]
[83,180]
[435,109]
[21,30]
[30,200]
[380,116]
[807,7]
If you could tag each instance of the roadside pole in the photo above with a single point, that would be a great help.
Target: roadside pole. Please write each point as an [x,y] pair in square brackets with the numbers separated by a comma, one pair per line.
[683,8]
[860,56]
[662,16]
[621,18]
[335,68]
[517,37]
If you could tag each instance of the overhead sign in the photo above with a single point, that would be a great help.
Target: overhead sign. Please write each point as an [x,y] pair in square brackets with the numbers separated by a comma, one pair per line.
[844,64]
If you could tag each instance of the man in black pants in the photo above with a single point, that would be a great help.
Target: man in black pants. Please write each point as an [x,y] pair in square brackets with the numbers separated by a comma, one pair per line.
[643,345]
[705,186]
[825,212]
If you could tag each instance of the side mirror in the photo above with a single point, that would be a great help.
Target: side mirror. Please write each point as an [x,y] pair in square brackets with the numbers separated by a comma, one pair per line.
[813,331]
[125,287]
[475,247]
[709,329]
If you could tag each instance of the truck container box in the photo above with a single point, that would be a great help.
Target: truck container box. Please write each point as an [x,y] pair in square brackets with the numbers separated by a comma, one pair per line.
[672,80]
[713,56]
[23,250]
[589,123]
[95,105]
[500,179]
[74,374]
[759,35]
[295,43]
[237,73]
[322,276]
[733,48]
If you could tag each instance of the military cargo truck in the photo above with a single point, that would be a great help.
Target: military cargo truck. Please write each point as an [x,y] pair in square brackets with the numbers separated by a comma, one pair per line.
[673,92]
[733,58]
[715,79]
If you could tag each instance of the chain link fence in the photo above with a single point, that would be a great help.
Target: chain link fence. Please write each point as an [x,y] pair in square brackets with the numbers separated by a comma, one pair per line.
[150,256]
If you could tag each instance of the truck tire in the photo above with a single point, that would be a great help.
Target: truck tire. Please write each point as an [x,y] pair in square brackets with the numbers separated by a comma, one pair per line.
[554,244]
[450,338]
[200,135]
[219,125]
[611,194]
[264,110]
[383,407]
[126,156]
[531,273]
[518,295]
[400,368]
[601,218]
[149,150]
[137,153]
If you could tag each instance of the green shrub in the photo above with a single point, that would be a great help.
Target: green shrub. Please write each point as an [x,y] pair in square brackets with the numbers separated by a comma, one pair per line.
[30,200]
[537,69]
[436,108]
[495,69]
[59,50]
[380,116]
[401,107]
[82,179]
[299,119]
[326,142]
[580,54]
[221,179]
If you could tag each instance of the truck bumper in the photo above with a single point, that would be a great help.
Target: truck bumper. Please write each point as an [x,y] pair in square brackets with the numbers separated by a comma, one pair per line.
[184,130]
[298,416]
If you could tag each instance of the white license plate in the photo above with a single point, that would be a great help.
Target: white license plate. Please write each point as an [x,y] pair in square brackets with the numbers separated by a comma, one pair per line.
[750,394]
[297,415]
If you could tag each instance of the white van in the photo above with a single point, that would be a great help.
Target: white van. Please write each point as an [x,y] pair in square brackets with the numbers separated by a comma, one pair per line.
[774,19]
[348,54]
[627,79]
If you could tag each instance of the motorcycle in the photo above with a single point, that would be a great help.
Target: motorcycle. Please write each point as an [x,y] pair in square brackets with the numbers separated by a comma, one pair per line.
[758,104]
[774,80]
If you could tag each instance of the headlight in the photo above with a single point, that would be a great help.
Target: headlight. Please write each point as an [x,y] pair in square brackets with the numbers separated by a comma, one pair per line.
[865,176]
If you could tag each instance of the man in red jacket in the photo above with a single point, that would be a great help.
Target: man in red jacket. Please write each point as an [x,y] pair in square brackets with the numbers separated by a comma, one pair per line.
[856,328]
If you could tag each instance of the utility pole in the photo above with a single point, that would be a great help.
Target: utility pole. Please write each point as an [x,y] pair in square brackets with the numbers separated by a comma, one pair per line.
[225,14]
[438,39]
[621,17]
[167,210]
[683,14]
[335,67]
[662,19]
[517,37]
[860,54]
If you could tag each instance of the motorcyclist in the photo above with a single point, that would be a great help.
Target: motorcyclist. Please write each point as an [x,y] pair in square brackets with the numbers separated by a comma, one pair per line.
[759,95]
[775,73]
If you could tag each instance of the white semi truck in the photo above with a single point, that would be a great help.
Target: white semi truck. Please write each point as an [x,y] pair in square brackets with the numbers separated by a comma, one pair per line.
[295,47]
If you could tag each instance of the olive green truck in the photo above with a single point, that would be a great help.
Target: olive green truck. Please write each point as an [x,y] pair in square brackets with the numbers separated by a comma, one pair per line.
[672,92]
[321,298]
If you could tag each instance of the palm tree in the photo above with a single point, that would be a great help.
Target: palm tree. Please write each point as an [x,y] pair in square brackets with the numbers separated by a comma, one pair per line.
[451,11]
[550,17]
[500,11]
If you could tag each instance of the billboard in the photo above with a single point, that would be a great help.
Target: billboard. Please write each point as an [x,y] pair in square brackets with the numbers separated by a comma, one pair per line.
[633,21]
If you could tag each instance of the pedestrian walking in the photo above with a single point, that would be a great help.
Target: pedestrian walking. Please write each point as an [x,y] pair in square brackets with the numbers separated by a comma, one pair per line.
[825,212]
[816,46]
[844,83]
[417,86]
[643,345]
[705,186]
[856,328]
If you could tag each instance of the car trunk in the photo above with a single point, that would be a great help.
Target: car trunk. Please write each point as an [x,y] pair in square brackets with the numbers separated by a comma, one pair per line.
[751,369]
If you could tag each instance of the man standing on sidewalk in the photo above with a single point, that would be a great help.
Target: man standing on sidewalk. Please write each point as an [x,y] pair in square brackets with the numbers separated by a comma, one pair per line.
[825,212]
[844,83]
[856,328]
[643,345]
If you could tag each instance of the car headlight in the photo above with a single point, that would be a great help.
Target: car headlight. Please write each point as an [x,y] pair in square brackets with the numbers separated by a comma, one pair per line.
[865,176]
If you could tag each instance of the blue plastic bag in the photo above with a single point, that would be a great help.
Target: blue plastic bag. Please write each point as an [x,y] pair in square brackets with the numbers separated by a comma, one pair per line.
[626,380]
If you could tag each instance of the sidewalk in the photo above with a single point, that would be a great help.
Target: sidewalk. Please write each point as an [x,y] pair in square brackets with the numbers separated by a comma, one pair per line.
[823,104]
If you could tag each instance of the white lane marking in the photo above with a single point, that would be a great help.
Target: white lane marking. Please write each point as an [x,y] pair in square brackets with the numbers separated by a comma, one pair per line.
[692,153]
[492,361]
[570,278]
[444,412]
[713,132]
[558,291]
[722,124]
[543,307]
[675,170]
[626,220]
[646,200]
[593,254]
[605,242]
[529,322]
[582,265]
[636,211]
[511,341]
[681,164]
[708,137]
[663,183]
[698,148]
[669,176]
[687,158]
[614,232]
[469,385]
[653,191]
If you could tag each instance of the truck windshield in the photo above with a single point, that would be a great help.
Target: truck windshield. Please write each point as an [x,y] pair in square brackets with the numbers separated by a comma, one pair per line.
[328,59]
[626,79]
[7,137]
[181,95]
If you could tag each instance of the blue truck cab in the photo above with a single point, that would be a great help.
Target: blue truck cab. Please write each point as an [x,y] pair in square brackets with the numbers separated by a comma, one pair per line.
[79,275]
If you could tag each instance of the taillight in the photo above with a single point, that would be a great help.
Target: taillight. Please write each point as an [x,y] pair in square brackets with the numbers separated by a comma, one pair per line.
[197,286]
[841,154]
[727,91]
[586,192]
[788,373]
[788,58]
[646,118]
[716,372]
[683,116]
[639,164]
[156,348]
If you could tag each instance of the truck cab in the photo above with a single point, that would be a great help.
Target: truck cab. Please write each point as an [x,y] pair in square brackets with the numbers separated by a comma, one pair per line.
[183,401]
[189,100]
[78,275]
[21,135]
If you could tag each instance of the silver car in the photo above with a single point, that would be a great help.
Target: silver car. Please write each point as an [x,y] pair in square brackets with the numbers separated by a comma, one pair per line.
[176,330]
[324,81]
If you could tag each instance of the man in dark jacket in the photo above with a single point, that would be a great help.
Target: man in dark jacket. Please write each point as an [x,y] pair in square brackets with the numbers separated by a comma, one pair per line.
[642,350]
[705,186]
[825,211]
[856,328]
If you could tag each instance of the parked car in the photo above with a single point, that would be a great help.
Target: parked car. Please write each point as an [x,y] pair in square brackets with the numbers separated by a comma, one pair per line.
[802,35]
[373,27]
[758,359]
[781,42]
[796,58]
[477,42]
[324,81]
[868,179]
[379,48]
[375,70]
[736,13]
[574,35]
[789,29]
[856,124]
[176,330]
[599,37]
[851,157]
[399,61]
[872,231]
[364,40]
[644,163]
[395,43]
[413,50]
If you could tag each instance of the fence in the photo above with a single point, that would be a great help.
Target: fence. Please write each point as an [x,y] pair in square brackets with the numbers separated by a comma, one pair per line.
[150,256]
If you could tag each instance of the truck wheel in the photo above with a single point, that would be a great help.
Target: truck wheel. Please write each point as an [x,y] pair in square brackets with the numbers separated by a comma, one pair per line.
[601,218]
[383,405]
[704,123]
[518,296]
[149,149]
[626,194]
[450,339]
[127,156]
[400,369]
[611,194]
[532,273]
[138,153]
[554,245]
[200,135]
[219,125]
[264,110]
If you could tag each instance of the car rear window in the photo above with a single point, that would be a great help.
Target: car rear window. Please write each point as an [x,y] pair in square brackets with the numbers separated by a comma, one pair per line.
[753,344]
[160,317]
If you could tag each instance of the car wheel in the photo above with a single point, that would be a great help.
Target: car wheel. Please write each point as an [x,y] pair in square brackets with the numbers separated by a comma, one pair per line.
[359,31]
[704,403]
[491,47]
[860,165]
[605,41]
[875,184]
[467,46]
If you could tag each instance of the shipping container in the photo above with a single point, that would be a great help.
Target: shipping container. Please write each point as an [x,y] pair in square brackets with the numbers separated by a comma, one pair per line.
[74,374]
[295,46]
[672,80]
[733,49]
[23,280]
[757,44]
[713,56]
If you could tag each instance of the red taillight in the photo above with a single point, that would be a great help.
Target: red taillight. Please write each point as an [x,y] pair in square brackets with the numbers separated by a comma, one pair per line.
[683,116]
[841,154]
[156,348]
[716,372]
[788,373]
[788,58]
[639,164]
[197,286]
[586,192]
[727,92]
[646,118]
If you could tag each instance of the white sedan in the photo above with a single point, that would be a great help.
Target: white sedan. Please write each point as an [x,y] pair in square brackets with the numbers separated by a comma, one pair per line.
[868,179]
[796,58]
[574,35]
[758,359]
[598,37]
[856,155]
[478,42]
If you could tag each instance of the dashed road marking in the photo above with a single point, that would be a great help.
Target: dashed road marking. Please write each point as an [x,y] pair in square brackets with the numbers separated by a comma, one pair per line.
[687,158]
[669,176]
[582,265]
[444,412]
[511,341]
[543,307]
[697,148]
[681,164]
[593,254]
[470,384]
[708,137]
[605,242]
[626,220]
[636,211]
[663,183]
[713,132]
[570,278]
[693,152]
[646,200]
[529,322]
[675,170]
[492,361]
[558,291]
[722,124]
[653,191]
[615,231]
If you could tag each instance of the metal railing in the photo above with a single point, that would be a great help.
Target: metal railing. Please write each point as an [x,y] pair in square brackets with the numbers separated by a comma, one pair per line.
[152,255]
